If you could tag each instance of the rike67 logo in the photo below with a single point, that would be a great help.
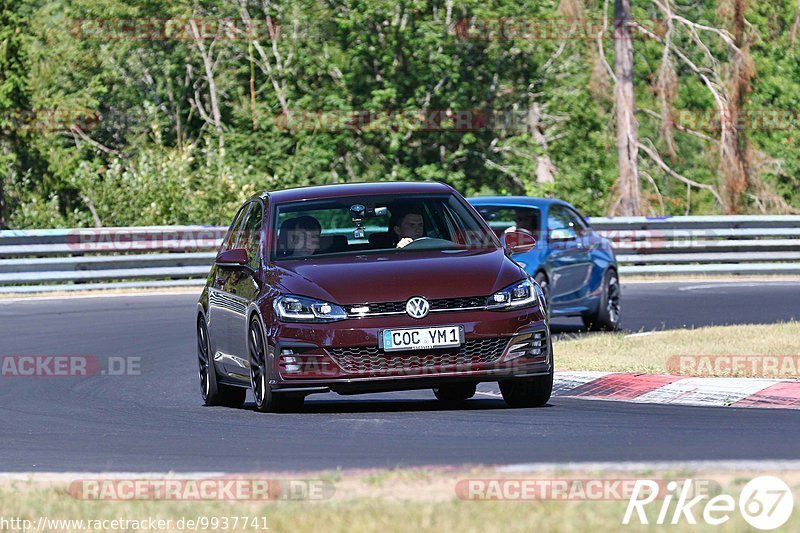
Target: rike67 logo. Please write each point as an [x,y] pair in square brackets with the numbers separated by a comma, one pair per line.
[765,503]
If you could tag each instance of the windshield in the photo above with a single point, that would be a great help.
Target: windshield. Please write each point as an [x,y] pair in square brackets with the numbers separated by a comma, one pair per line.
[364,224]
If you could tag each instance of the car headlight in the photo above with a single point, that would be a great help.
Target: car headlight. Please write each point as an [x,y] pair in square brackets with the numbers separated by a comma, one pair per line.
[520,294]
[291,308]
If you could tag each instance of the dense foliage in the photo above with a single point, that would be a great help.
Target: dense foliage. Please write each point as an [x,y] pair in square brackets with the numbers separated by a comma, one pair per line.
[107,118]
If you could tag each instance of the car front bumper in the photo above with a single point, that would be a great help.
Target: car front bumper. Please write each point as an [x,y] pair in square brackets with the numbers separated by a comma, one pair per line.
[345,357]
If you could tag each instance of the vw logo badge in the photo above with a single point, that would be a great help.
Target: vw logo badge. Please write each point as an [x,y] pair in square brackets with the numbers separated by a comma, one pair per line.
[417,307]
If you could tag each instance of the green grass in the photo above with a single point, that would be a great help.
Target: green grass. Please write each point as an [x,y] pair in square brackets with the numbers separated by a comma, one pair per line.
[651,352]
[404,500]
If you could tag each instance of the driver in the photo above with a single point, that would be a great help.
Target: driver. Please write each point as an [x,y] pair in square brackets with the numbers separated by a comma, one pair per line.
[299,236]
[407,227]
[524,219]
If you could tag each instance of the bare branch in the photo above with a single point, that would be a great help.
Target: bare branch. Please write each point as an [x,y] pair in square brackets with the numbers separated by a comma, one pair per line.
[80,133]
[600,48]
[265,64]
[666,168]
[678,126]
[93,210]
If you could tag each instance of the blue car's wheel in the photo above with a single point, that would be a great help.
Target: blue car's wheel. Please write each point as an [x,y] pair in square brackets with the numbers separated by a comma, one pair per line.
[609,309]
[541,279]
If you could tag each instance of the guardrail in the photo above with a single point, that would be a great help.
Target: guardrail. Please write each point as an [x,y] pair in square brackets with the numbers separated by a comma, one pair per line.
[163,256]
[76,259]
[704,244]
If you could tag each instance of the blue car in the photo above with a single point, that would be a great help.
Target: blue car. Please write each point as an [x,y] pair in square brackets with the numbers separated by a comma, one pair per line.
[575,266]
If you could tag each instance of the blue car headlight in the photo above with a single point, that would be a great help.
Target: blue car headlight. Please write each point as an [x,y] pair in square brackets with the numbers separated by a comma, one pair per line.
[291,308]
[520,294]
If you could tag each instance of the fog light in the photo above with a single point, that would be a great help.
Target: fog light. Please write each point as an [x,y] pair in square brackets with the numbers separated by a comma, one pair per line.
[528,345]
[291,364]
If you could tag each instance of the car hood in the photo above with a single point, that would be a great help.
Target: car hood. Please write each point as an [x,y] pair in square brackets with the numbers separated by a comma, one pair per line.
[397,276]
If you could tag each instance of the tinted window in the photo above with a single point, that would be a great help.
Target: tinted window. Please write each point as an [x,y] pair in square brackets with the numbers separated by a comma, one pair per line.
[227,242]
[252,233]
[560,217]
[578,220]
[239,236]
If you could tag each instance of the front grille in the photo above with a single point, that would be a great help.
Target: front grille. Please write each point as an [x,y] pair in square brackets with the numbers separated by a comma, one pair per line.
[458,303]
[441,304]
[368,359]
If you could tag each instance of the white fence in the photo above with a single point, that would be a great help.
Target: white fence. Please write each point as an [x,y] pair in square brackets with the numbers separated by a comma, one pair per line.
[73,259]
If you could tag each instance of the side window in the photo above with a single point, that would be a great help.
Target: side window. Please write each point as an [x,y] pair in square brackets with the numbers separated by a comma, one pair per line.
[227,242]
[562,218]
[252,233]
[239,237]
[557,218]
[578,221]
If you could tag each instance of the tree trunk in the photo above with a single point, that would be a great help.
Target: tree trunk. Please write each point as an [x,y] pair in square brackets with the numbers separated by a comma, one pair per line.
[545,169]
[733,156]
[5,159]
[629,199]
[2,204]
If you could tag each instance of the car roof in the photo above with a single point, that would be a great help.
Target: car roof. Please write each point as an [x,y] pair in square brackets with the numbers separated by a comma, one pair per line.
[315,192]
[528,201]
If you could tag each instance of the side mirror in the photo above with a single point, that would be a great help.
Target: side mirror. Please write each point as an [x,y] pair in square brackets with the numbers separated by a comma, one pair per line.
[518,241]
[563,234]
[237,259]
[233,258]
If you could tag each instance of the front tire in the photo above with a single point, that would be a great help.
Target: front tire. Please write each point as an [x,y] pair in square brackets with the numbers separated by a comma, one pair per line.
[455,393]
[529,392]
[260,370]
[213,392]
[609,309]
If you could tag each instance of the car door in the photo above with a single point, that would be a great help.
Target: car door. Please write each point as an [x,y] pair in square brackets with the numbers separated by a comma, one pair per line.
[217,310]
[243,286]
[223,303]
[569,260]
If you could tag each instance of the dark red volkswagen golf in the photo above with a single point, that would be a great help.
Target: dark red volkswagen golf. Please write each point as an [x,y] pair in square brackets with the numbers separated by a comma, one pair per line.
[372,287]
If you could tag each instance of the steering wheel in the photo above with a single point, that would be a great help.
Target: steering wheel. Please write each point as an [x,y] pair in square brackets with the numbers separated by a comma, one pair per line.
[429,243]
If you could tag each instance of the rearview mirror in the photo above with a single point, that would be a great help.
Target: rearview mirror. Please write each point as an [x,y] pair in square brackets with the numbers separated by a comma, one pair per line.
[518,241]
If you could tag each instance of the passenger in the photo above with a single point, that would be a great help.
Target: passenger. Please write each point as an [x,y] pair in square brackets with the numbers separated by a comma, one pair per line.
[299,237]
[407,227]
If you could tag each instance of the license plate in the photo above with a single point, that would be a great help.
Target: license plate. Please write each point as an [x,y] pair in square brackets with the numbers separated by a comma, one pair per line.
[393,340]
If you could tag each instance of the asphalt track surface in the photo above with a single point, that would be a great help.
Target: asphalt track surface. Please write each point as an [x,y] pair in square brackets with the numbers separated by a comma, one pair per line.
[155,421]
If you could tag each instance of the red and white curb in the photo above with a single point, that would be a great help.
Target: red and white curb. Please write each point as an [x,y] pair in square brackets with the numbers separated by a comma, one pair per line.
[677,390]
